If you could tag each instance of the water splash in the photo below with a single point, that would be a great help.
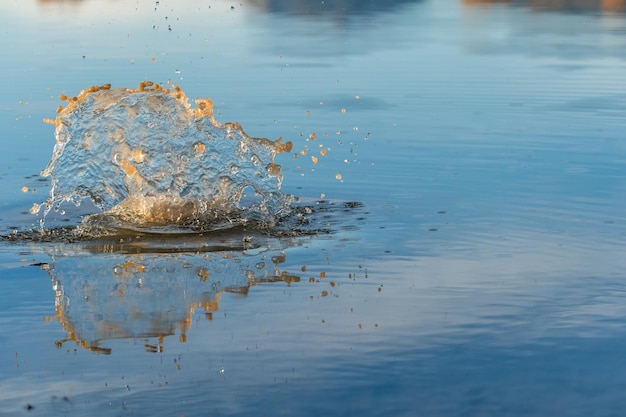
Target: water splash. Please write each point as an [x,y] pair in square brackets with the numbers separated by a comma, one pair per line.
[149,161]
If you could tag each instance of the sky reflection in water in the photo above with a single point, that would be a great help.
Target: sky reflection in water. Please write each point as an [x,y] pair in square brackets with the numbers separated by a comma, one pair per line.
[482,276]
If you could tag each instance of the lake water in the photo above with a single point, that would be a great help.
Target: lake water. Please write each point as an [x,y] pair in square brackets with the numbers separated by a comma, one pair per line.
[467,200]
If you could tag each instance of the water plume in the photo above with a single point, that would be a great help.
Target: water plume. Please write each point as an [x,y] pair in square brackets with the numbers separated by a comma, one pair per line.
[150,161]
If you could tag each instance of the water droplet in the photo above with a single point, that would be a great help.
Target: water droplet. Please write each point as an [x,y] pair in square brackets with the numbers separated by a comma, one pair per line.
[203,273]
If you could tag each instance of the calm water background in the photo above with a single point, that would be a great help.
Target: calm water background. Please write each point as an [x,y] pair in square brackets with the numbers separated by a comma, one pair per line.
[484,274]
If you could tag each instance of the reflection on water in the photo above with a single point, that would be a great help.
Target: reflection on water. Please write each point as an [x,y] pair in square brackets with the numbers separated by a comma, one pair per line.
[101,294]
[573,6]
[44,2]
[148,286]
[341,7]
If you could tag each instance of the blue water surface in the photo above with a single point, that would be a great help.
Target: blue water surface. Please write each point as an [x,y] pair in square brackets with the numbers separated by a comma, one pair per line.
[472,259]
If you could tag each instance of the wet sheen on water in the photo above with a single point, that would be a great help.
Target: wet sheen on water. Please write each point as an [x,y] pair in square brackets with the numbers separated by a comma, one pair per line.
[482,274]
[150,161]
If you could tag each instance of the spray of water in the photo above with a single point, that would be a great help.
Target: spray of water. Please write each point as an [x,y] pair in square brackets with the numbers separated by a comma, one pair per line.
[149,160]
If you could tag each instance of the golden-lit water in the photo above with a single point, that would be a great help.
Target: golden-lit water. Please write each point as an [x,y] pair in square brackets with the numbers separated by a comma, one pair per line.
[149,296]
[148,159]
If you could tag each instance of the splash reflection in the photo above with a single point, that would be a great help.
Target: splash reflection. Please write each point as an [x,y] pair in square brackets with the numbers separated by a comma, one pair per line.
[101,296]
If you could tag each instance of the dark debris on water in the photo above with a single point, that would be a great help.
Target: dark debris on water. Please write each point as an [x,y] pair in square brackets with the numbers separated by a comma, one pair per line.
[321,217]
